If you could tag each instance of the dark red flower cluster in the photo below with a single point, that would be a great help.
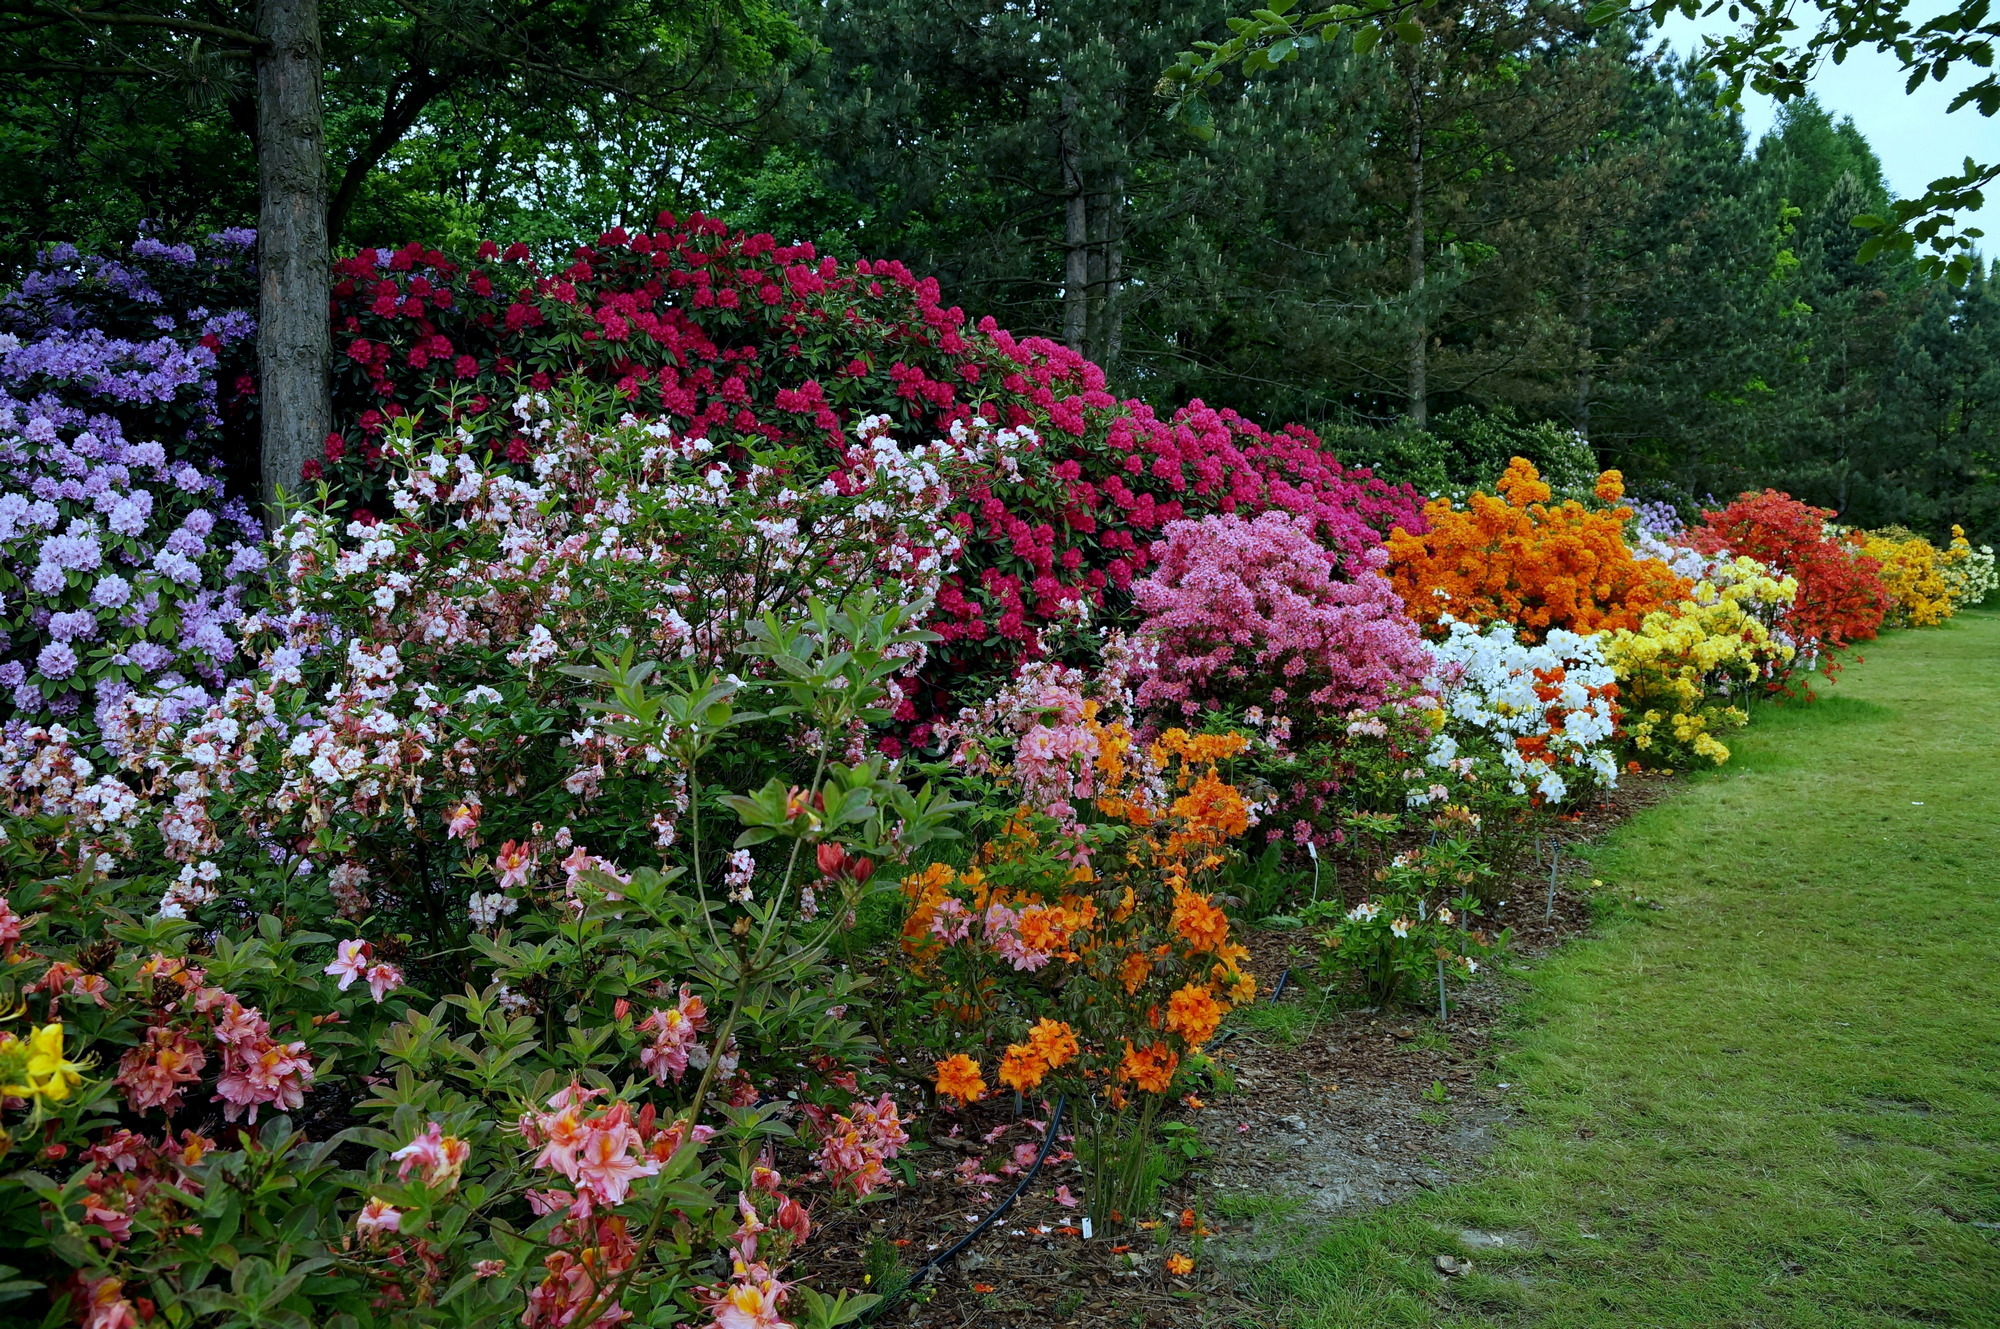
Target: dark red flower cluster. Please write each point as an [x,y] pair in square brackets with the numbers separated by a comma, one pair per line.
[736,337]
[1841,596]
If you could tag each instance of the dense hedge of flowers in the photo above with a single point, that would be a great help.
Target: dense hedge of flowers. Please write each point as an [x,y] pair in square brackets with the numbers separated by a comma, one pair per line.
[510,892]
[719,330]
[1515,558]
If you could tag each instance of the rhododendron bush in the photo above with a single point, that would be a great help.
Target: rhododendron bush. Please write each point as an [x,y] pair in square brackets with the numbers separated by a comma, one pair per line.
[720,331]
[1515,558]
[123,562]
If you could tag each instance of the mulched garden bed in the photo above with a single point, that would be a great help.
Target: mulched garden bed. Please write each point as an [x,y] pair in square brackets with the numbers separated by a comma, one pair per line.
[1338,1108]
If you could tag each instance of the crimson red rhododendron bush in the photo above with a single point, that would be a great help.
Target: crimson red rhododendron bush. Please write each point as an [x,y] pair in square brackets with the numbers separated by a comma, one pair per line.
[733,337]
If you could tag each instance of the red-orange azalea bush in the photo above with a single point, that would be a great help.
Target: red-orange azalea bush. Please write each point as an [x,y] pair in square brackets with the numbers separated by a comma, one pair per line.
[1514,557]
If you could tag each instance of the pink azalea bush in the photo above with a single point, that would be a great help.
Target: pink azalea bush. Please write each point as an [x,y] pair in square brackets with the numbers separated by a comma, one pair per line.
[1249,613]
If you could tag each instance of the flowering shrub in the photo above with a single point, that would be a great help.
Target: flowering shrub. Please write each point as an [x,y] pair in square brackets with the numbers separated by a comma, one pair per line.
[1841,598]
[1912,570]
[122,561]
[1248,613]
[417,703]
[607,1121]
[118,568]
[1121,970]
[1544,711]
[1678,669]
[719,331]
[1515,559]
[159,338]
[1969,573]
[1415,926]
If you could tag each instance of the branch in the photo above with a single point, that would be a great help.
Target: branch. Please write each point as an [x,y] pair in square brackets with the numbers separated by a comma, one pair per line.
[188,27]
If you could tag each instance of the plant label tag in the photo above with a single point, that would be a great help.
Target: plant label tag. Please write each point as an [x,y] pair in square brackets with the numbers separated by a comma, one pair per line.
[1086,1227]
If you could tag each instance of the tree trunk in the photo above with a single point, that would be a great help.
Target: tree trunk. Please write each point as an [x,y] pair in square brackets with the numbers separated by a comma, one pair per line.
[1419,390]
[1114,272]
[1585,386]
[293,340]
[1076,232]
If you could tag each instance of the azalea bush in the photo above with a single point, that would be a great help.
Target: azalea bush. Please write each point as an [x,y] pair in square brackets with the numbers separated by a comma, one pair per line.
[1414,934]
[1252,614]
[1542,714]
[609,1101]
[1092,962]
[1841,598]
[1515,558]
[416,712]
[1969,573]
[1912,570]
[1685,674]
[715,331]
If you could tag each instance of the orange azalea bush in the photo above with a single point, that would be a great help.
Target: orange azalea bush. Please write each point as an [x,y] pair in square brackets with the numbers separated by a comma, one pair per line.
[1092,955]
[1516,558]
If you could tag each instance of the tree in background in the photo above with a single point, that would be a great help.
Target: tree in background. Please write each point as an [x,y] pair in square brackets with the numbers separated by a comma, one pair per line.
[287,76]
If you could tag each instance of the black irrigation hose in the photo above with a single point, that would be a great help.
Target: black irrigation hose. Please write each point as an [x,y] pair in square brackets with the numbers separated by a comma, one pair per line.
[923,1271]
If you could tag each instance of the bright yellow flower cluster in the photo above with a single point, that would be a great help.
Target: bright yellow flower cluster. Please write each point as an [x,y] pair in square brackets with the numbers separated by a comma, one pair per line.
[35,1068]
[1677,669]
[1913,569]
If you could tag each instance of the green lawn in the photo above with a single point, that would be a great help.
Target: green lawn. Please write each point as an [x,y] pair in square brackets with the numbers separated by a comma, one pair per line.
[1776,1101]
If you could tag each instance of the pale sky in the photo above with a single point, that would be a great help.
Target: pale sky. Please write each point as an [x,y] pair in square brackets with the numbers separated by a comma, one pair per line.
[1916,140]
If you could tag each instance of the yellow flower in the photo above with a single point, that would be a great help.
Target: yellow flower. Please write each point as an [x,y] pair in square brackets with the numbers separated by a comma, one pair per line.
[37,1068]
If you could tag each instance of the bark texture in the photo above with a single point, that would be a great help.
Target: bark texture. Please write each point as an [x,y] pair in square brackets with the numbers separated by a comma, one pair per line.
[293,339]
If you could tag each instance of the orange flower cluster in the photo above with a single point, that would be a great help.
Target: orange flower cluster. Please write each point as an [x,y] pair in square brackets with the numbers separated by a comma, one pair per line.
[1148,1069]
[1194,1014]
[1051,1045]
[958,1077]
[1517,558]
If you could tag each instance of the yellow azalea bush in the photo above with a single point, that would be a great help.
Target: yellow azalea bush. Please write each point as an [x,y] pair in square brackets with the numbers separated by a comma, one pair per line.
[1676,671]
[1094,957]
[1914,571]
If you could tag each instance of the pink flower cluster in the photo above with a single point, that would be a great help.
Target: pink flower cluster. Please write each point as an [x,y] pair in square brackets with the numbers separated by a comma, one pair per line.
[122,1172]
[675,1041]
[1249,613]
[600,1155]
[355,960]
[854,1148]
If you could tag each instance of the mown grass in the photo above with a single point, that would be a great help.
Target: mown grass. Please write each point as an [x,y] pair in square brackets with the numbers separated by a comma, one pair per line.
[1776,1100]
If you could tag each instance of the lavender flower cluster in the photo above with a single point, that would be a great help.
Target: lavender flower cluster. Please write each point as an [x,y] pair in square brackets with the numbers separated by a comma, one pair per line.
[148,335]
[119,567]
[122,564]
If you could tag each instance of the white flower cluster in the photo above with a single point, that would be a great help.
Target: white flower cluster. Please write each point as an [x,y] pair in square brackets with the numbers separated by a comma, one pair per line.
[1547,709]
